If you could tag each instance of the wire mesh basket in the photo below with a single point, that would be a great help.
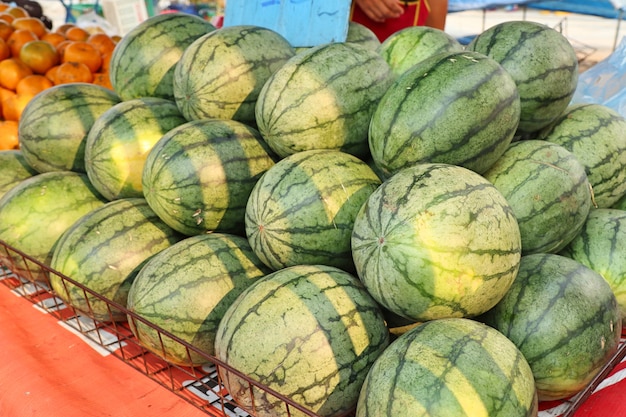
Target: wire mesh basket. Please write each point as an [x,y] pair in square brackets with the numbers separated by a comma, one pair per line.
[200,386]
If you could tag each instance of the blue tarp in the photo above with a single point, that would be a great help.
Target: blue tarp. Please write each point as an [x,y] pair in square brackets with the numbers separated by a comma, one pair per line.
[609,9]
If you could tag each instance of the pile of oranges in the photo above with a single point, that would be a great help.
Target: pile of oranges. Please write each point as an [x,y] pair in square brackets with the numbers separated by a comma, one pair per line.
[33,58]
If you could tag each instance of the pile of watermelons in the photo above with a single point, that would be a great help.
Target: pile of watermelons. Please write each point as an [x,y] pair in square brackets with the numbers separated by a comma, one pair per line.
[401,229]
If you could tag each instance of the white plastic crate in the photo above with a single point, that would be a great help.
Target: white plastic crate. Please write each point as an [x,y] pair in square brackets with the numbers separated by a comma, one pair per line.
[124,14]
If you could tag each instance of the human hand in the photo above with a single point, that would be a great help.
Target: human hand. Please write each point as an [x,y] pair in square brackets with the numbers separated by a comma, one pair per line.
[380,10]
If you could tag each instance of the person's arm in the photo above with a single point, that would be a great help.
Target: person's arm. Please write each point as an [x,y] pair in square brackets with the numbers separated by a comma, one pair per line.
[438,12]
[380,10]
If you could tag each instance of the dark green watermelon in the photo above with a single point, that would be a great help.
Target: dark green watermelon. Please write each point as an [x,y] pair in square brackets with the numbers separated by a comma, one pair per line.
[542,62]
[565,320]
[459,108]
[548,190]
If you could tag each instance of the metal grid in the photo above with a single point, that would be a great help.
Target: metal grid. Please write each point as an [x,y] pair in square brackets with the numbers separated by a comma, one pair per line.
[200,386]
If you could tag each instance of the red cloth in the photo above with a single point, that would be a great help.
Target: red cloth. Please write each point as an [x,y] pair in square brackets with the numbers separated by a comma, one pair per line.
[48,371]
[415,14]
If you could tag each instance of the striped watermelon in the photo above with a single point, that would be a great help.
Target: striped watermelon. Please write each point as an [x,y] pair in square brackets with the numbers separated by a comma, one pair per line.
[362,35]
[596,135]
[103,251]
[119,142]
[601,245]
[144,60]
[436,241]
[412,45]
[459,108]
[548,191]
[185,290]
[199,175]
[564,319]
[220,75]
[37,211]
[316,332]
[302,210]
[323,98]
[13,169]
[54,125]
[449,367]
[542,62]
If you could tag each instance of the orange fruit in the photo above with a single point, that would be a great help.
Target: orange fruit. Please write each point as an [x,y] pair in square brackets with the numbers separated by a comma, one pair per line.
[19,38]
[76,33]
[4,6]
[82,51]
[33,84]
[5,51]
[12,70]
[17,11]
[106,62]
[102,42]
[51,73]
[13,106]
[8,135]
[39,56]
[102,79]
[54,38]
[62,45]
[5,93]
[72,72]
[31,23]
[6,17]
[5,29]
[64,27]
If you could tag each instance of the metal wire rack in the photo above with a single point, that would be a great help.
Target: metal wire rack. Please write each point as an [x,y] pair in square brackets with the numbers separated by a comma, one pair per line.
[200,386]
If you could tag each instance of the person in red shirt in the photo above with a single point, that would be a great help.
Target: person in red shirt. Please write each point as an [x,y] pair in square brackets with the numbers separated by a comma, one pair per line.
[385,17]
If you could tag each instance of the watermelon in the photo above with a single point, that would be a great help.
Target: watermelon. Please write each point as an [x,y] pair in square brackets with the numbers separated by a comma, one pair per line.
[565,320]
[103,251]
[220,75]
[436,241]
[37,211]
[54,125]
[601,245]
[362,35]
[459,108]
[302,210]
[542,62]
[413,44]
[119,142]
[199,175]
[323,98]
[144,60]
[548,190]
[596,135]
[308,332]
[13,169]
[185,290]
[448,368]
